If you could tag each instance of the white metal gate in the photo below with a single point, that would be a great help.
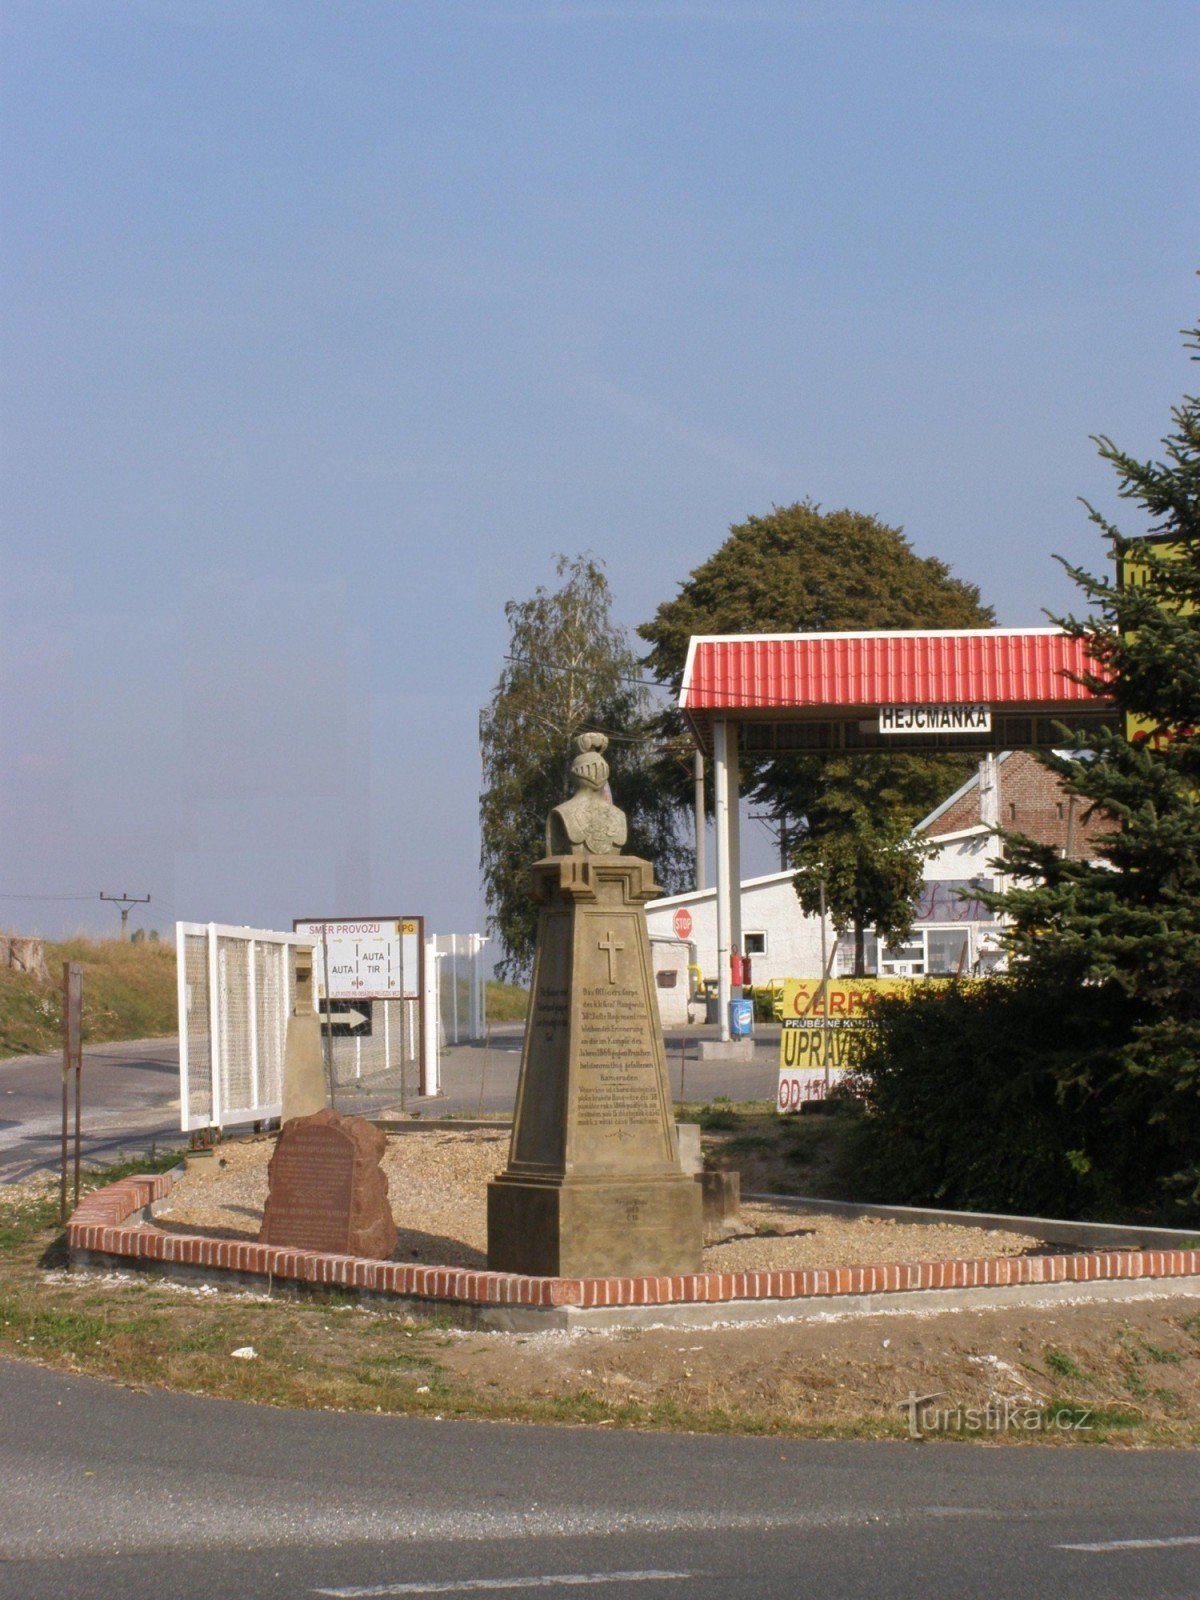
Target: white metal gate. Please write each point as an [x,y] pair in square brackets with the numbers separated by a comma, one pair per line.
[237,988]
[462,986]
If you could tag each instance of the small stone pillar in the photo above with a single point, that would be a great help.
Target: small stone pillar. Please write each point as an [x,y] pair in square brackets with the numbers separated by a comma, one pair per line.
[304,1086]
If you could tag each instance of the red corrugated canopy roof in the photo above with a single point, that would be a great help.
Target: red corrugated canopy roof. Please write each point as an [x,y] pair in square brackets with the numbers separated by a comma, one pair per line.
[996,666]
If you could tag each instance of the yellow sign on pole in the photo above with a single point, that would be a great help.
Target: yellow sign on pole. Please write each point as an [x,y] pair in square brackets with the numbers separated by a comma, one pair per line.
[823,1023]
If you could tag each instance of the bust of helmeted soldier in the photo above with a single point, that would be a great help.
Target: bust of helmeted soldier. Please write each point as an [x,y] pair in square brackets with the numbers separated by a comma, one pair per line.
[588,824]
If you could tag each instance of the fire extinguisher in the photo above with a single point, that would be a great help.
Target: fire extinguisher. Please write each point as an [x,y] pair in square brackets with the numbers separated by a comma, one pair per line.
[737,966]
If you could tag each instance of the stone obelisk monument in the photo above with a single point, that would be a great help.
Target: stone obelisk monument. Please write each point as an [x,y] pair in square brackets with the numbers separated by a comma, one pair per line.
[593,1186]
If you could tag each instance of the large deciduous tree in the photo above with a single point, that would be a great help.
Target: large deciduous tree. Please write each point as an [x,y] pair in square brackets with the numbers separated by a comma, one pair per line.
[804,570]
[569,669]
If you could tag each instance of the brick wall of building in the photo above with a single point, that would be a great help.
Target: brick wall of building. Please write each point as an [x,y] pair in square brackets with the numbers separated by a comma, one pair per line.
[1033,802]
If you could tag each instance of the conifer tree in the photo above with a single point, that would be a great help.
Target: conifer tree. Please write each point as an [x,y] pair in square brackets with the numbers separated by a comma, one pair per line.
[1073,1086]
[1119,937]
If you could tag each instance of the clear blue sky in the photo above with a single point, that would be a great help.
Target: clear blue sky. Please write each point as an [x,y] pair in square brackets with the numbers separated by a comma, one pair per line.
[327,325]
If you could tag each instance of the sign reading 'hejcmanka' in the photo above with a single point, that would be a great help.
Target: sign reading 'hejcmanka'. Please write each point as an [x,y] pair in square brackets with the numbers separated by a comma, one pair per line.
[935,719]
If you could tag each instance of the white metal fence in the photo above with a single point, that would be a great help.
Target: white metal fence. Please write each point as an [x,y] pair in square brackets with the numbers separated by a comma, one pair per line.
[237,989]
[461,985]
[383,1063]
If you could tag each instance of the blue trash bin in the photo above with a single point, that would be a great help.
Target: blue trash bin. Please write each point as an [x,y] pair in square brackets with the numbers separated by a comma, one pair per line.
[741,1018]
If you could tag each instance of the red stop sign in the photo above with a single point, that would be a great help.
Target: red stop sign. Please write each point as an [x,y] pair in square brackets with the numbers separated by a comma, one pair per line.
[683,923]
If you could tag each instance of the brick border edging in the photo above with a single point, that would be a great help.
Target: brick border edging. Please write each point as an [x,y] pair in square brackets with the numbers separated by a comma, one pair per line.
[96,1227]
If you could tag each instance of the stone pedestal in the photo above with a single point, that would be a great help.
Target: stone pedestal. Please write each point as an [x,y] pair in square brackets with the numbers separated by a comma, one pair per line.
[303,1067]
[593,1186]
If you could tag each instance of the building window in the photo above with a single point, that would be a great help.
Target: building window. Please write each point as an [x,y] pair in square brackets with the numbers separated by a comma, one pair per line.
[845,956]
[904,961]
[755,944]
[948,951]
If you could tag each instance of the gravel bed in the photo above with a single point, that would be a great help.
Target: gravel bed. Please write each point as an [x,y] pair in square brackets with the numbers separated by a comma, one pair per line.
[437,1183]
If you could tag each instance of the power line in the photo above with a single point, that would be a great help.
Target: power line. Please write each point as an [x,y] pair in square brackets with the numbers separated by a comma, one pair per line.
[621,677]
[5,896]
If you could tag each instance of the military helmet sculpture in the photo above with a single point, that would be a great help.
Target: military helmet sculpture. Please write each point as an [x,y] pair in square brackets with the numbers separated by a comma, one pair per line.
[588,823]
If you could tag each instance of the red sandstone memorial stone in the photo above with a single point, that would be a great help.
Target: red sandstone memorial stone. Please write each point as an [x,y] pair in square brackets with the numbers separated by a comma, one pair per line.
[327,1190]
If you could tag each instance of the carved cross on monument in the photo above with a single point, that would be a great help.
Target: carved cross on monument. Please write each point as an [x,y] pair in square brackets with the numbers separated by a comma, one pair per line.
[610,947]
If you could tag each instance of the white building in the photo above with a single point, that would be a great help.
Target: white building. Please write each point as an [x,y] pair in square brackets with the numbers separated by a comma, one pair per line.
[780,940]
[954,932]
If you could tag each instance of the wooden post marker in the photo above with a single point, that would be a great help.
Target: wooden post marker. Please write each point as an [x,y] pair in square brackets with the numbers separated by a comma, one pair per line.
[72,1062]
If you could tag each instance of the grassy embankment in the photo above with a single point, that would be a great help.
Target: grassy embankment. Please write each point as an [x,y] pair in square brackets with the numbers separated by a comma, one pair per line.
[506,1002]
[128,993]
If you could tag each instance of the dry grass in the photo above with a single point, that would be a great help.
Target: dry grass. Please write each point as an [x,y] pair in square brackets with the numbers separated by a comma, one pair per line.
[129,992]
[1135,1369]
[506,1002]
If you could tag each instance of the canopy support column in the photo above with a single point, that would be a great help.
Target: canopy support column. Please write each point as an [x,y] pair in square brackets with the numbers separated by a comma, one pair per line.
[724,915]
[698,783]
[733,777]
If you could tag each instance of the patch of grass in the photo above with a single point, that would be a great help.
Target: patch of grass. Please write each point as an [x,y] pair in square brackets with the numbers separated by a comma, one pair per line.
[749,1141]
[506,1002]
[1154,1352]
[780,1154]
[1064,1366]
[1100,1419]
[1135,1356]
[716,1120]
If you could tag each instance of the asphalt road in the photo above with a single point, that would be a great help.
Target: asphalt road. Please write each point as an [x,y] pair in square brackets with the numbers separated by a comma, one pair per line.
[131,1093]
[469,1069]
[111,1492]
[130,1100]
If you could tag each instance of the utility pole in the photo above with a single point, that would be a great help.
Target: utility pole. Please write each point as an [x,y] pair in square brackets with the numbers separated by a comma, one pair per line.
[698,806]
[126,902]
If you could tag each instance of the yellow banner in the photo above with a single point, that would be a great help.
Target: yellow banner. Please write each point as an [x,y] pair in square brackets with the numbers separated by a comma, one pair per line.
[822,1032]
[845,1003]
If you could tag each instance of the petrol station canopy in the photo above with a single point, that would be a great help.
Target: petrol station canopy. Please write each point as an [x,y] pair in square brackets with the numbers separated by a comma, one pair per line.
[980,689]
